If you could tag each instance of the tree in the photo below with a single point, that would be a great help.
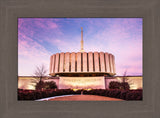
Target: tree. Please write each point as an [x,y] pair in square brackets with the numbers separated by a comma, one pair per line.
[39,74]
[124,78]
[125,84]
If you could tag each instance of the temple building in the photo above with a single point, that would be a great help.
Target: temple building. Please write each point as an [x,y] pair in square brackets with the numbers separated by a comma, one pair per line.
[82,70]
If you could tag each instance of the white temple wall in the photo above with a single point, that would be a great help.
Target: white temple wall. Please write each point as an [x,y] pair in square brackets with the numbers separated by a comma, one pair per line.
[57,63]
[96,61]
[107,63]
[102,62]
[72,62]
[111,63]
[50,69]
[90,61]
[53,64]
[79,62]
[61,64]
[136,82]
[82,82]
[67,62]
[84,62]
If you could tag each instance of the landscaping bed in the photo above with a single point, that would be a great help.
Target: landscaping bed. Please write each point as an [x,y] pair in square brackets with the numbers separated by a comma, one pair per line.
[114,93]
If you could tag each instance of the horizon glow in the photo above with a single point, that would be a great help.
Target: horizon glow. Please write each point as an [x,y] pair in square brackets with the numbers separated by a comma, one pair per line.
[39,38]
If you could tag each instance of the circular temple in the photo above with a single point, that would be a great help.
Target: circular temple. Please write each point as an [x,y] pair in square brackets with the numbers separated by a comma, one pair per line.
[82,64]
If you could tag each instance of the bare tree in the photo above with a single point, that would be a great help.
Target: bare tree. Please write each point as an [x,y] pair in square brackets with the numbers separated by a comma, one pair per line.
[39,75]
[40,72]
[126,80]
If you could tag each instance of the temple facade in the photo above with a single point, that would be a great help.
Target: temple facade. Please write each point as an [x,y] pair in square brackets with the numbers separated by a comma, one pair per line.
[82,70]
[82,64]
[26,82]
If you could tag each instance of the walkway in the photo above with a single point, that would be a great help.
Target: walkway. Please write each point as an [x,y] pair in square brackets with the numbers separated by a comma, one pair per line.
[84,98]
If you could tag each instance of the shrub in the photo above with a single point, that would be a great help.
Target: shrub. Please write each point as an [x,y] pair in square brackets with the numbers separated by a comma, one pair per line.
[114,85]
[123,94]
[46,85]
[134,95]
[39,85]
[119,85]
[115,93]
[125,85]
[50,85]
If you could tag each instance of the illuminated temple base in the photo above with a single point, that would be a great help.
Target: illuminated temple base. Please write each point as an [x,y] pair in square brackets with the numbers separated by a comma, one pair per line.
[82,82]
[26,82]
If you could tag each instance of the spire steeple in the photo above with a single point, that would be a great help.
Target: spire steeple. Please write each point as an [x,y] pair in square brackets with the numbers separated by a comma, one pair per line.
[82,50]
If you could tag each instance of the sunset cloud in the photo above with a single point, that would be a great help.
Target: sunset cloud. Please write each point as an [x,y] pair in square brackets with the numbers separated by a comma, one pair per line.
[39,38]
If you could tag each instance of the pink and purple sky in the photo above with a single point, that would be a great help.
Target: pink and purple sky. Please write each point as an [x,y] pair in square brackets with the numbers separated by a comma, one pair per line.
[39,38]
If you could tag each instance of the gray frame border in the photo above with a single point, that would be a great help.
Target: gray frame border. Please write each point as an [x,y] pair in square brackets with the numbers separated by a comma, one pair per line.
[11,10]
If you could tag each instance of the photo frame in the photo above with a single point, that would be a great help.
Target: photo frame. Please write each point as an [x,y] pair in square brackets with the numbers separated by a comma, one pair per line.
[11,107]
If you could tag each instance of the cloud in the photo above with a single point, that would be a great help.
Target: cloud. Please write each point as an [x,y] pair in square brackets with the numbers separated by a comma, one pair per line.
[122,38]
[52,25]
[122,42]
[45,24]
[65,45]
[30,55]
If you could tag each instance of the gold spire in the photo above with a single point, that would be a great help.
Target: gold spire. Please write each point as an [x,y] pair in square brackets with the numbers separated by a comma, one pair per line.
[82,50]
